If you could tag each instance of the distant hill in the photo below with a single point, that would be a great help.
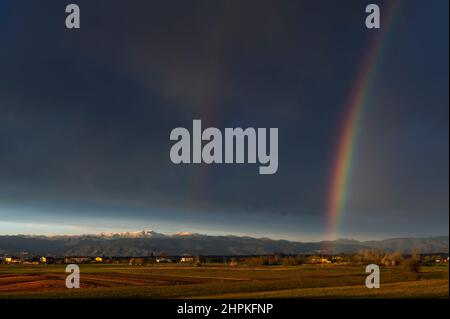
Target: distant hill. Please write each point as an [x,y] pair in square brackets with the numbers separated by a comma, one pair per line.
[146,243]
[426,245]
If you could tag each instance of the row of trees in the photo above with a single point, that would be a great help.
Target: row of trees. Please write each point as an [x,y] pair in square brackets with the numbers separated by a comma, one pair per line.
[408,262]
[274,260]
[411,262]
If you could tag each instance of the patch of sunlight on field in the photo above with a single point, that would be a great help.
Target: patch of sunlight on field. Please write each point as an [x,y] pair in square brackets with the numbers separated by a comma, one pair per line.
[434,288]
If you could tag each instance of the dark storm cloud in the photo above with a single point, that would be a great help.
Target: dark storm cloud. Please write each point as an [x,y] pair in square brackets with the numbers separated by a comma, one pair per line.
[85,115]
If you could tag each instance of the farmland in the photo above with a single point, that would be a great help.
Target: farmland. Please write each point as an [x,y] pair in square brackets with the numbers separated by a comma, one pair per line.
[220,281]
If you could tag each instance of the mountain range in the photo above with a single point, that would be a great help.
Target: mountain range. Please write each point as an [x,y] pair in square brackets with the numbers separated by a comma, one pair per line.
[148,242]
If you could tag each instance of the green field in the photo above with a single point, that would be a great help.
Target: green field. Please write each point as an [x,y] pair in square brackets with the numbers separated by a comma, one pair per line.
[220,281]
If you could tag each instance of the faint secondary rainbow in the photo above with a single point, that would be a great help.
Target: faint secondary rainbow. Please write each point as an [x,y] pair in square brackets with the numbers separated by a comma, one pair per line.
[348,137]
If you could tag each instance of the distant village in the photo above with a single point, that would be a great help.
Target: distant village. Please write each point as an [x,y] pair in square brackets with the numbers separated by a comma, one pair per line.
[275,259]
[36,260]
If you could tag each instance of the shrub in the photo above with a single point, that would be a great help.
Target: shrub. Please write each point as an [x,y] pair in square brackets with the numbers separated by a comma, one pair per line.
[291,261]
[412,265]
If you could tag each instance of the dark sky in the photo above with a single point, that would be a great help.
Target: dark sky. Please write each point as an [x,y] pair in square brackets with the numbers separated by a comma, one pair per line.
[85,116]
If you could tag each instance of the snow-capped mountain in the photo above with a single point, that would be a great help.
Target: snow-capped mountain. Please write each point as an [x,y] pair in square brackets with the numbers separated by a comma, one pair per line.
[132,234]
[148,243]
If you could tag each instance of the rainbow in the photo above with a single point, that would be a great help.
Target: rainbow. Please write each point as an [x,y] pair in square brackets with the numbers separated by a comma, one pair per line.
[350,131]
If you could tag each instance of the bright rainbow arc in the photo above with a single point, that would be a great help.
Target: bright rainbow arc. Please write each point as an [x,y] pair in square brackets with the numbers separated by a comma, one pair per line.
[348,140]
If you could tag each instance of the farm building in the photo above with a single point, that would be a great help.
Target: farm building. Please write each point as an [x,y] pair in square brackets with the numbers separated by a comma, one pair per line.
[187,260]
[163,260]
[12,260]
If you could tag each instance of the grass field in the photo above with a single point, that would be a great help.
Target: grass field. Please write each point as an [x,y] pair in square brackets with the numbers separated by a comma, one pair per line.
[217,281]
